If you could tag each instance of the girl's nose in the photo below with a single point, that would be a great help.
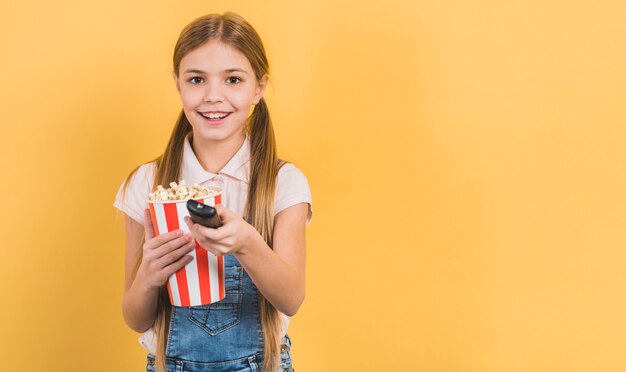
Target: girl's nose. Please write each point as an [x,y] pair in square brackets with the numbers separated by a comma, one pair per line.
[213,93]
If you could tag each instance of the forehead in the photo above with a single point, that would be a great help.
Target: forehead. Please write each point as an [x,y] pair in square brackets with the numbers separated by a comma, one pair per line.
[215,56]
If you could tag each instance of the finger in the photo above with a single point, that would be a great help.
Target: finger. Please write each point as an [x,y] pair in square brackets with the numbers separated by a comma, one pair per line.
[188,222]
[173,245]
[177,265]
[159,240]
[199,231]
[175,254]
[217,249]
[147,224]
[203,232]
[222,211]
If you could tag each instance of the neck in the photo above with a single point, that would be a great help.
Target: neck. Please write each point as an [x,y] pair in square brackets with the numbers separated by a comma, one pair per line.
[213,155]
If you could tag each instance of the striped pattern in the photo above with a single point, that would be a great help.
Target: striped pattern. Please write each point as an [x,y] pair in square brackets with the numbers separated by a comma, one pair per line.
[201,281]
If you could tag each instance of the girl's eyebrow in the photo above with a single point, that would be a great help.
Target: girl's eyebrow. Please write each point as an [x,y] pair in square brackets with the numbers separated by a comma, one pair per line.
[228,71]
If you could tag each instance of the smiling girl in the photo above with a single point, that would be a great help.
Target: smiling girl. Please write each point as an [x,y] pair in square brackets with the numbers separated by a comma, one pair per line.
[223,135]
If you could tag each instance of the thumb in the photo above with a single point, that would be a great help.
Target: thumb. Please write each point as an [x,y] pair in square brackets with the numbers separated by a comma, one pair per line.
[147,224]
[222,211]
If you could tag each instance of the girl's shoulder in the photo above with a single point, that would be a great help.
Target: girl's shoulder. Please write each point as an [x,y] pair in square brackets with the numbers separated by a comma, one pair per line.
[132,194]
[290,175]
[142,179]
[292,187]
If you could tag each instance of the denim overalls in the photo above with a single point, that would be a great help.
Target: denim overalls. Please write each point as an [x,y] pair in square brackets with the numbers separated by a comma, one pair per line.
[223,336]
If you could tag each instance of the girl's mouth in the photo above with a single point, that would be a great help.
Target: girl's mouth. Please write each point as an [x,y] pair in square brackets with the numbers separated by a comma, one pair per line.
[214,118]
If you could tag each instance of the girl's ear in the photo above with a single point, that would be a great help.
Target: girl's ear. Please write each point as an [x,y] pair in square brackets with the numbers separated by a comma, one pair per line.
[260,89]
[176,81]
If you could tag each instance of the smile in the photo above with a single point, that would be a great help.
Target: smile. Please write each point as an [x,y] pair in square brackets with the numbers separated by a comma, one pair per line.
[214,115]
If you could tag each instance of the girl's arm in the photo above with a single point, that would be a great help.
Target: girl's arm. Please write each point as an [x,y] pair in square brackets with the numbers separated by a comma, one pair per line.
[139,304]
[278,273]
[161,256]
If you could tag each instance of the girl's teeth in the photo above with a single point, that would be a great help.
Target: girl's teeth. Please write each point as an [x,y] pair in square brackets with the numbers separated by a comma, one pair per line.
[214,116]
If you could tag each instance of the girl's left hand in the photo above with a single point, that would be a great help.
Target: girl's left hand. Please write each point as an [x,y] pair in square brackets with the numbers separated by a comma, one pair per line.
[229,238]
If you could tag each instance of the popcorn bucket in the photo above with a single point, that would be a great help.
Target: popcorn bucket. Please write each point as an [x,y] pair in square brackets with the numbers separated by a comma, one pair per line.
[201,281]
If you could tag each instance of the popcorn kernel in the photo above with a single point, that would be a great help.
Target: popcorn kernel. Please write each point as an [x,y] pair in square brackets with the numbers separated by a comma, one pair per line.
[180,191]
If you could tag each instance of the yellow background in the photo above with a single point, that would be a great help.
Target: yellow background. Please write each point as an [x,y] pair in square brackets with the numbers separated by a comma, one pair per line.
[466,160]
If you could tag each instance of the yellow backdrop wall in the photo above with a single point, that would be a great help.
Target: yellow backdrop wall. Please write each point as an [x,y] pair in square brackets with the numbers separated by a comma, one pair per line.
[466,161]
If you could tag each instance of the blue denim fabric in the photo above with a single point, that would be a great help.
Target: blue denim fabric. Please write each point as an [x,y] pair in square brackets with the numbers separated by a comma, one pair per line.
[223,336]
[285,355]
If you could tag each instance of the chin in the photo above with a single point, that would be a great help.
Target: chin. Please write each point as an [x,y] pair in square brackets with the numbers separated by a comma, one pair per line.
[214,134]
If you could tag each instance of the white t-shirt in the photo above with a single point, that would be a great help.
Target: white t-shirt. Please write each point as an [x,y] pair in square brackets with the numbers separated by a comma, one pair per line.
[291,188]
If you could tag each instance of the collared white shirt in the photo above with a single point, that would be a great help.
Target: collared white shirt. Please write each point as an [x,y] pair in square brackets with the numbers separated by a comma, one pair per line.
[291,188]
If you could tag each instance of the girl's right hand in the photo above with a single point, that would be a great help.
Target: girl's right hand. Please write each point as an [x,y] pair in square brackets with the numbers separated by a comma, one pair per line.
[163,255]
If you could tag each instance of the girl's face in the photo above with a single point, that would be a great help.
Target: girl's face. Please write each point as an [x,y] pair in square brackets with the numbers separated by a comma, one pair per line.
[217,87]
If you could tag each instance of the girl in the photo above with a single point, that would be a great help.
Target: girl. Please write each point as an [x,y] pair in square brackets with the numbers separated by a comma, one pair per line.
[223,134]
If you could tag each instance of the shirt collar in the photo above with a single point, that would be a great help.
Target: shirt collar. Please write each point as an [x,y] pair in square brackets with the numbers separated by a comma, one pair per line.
[237,167]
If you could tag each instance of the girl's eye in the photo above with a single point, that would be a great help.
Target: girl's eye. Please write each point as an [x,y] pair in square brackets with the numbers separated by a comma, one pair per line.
[193,78]
[233,80]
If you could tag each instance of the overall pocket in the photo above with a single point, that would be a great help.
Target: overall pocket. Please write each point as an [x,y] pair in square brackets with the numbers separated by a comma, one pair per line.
[222,315]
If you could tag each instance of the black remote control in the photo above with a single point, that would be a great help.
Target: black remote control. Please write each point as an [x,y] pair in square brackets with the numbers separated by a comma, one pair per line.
[203,214]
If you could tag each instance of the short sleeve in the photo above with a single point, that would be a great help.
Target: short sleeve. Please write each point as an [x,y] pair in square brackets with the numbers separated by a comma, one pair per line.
[134,202]
[292,188]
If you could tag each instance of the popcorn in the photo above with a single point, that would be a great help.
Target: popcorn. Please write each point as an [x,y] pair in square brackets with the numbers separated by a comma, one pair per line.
[167,209]
[180,191]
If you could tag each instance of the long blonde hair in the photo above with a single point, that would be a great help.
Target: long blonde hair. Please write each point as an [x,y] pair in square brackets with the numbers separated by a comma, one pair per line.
[235,31]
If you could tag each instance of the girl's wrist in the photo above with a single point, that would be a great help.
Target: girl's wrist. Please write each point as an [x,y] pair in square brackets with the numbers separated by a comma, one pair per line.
[250,238]
[142,283]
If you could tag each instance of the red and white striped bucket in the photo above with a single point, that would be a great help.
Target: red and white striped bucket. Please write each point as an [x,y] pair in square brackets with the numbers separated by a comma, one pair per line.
[201,281]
